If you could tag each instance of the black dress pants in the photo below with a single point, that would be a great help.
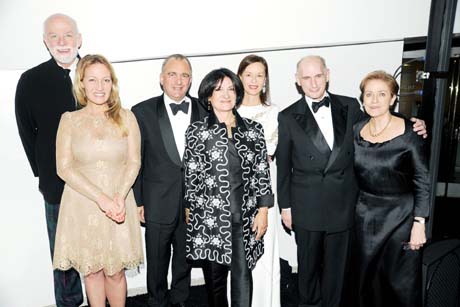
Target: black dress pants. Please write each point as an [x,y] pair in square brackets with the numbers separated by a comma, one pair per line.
[158,241]
[322,260]
[215,276]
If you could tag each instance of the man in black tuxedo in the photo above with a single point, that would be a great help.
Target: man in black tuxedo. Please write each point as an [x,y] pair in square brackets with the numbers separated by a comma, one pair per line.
[316,184]
[163,121]
[43,93]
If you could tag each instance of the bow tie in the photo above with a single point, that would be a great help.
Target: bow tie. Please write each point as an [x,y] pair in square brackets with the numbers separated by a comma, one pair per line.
[318,104]
[176,107]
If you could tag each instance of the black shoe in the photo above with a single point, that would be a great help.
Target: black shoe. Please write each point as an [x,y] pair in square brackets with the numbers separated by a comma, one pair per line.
[182,304]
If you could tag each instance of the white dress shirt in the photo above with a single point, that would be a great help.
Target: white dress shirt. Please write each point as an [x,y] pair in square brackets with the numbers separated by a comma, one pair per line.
[324,120]
[179,122]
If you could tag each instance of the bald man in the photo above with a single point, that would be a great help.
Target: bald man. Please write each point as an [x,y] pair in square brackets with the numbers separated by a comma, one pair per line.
[43,93]
[317,189]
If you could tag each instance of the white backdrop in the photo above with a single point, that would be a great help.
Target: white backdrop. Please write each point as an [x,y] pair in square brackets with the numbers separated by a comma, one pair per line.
[143,28]
[149,31]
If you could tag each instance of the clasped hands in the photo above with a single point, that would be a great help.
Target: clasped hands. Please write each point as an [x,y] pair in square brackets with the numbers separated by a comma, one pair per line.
[114,209]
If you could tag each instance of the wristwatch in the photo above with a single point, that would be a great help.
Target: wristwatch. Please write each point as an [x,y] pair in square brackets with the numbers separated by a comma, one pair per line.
[421,221]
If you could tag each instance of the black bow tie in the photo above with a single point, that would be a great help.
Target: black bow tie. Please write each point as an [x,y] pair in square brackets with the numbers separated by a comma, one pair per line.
[183,106]
[318,104]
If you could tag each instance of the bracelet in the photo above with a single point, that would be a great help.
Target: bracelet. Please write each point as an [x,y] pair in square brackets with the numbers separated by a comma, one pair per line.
[419,221]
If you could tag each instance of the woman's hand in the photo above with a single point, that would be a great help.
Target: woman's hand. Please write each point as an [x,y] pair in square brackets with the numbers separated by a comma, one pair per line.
[120,213]
[109,207]
[260,223]
[417,236]
[187,214]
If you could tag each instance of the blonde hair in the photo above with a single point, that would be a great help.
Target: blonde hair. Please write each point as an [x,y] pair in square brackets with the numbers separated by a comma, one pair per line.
[382,76]
[114,103]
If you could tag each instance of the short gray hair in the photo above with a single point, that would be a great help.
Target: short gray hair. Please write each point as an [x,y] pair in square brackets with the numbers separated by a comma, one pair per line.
[176,56]
[311,57]
[59,15]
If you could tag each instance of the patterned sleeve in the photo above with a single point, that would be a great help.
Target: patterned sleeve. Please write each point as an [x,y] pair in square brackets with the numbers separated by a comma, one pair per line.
[64,161]
[192,164]
[133,161]
[262,182]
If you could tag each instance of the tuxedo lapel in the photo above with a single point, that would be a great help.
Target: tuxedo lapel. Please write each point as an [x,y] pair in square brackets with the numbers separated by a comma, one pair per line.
[307,121]
[339,122]
[195,116]
[167,133]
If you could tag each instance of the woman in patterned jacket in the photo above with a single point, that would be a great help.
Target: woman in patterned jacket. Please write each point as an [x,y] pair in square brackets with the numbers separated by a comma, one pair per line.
[227,191]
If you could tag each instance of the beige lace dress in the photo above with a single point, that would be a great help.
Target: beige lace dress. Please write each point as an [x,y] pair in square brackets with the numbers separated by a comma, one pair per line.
[94,158]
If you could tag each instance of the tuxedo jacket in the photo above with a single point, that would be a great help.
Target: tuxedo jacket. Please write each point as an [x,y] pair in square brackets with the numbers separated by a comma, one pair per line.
[318,183]
[43,94]
[159,186]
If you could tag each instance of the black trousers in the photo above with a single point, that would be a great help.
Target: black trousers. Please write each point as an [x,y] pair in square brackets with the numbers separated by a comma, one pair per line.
[322,260]
[158,241]
[67,284]
[215,276]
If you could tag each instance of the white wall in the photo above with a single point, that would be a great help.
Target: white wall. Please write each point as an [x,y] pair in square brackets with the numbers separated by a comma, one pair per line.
[147,30]
[138,29]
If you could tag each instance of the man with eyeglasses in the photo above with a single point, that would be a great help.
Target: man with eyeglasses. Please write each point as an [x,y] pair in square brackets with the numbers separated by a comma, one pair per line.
[163,121]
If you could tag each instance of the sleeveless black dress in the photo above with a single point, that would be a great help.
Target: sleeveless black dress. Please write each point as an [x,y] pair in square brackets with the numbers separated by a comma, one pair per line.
[394,187]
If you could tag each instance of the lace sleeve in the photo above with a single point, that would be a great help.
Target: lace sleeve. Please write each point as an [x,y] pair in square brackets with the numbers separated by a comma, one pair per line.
[65,161]
[133,161]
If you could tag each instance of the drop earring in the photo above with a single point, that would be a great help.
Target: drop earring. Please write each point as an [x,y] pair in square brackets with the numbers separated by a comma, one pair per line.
[264,88]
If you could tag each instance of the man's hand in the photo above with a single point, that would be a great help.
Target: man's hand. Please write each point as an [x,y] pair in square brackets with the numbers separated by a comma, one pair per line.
[287,218]
[140,211]
[419,127]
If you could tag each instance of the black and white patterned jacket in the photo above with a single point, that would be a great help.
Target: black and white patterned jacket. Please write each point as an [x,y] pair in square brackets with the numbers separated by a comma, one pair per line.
[207,188]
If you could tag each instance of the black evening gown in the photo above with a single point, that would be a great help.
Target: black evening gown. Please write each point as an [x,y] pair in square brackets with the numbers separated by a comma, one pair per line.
[394,187]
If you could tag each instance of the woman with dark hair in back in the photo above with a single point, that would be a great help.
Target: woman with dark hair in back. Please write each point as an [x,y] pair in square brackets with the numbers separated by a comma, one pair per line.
[227,191]
[256,105]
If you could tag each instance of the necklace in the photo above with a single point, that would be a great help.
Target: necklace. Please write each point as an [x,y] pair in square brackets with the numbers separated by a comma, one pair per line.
[230,125]
[374,135]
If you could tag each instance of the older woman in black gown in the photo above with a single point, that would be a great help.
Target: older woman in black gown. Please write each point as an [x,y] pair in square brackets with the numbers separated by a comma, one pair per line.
[391,168]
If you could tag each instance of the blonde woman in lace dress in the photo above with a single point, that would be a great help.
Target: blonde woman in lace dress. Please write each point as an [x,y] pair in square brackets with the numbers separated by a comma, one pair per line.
[98,157]
[253,72]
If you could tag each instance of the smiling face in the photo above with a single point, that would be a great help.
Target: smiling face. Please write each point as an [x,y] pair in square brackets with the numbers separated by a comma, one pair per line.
[312,77]
[176,78]
[97,83]
[223,97]
[62,39]
[253,78]
[377,98]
